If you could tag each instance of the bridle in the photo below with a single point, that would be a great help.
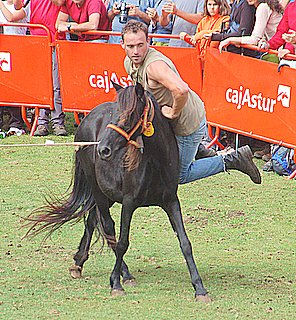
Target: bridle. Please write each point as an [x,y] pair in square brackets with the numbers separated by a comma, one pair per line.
[143,121]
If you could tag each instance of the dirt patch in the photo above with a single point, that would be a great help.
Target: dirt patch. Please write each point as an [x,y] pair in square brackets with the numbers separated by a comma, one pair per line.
[235,214]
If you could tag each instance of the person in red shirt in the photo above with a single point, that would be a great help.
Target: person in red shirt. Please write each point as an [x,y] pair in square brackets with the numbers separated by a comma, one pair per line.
[87,15]
[45,12]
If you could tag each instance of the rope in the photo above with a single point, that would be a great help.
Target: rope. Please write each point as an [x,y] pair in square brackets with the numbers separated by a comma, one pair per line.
[51,144]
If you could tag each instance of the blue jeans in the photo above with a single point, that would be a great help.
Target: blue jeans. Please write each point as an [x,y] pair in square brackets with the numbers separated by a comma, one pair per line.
[191,170]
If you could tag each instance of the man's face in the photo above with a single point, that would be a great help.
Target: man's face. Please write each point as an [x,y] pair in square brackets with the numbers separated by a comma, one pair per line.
[135,46]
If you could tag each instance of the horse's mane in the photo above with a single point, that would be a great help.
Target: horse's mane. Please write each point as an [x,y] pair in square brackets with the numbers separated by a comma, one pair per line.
[127,101]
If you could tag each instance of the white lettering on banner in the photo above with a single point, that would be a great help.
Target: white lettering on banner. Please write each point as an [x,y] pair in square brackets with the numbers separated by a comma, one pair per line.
[5,61]
[104,81]
[243,97]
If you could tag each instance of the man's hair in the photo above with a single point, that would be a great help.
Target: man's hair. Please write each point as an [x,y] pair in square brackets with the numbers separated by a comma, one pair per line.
[134,26]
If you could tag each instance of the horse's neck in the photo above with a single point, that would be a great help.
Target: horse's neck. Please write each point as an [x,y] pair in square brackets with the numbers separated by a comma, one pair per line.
[164,143]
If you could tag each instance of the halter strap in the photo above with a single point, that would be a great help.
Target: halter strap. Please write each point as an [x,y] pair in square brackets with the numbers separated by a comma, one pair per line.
[143,121]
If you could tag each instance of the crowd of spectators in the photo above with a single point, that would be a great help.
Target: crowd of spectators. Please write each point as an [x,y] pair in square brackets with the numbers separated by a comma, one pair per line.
[208,23]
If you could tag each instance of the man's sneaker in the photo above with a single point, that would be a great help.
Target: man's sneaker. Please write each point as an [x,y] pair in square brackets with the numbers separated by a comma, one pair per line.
[266,157]
[41,131]
[268,166]
[15,132]
[59,130]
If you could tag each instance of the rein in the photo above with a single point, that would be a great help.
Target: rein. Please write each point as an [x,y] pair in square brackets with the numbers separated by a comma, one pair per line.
[147,127]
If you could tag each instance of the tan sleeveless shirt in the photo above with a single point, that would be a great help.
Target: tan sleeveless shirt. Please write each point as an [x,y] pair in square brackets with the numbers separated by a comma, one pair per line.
[193,111]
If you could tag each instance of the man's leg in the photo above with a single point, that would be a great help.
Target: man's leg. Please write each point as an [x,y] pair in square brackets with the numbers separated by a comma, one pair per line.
[57,115]
[191,170]
[43,120]
[16,123]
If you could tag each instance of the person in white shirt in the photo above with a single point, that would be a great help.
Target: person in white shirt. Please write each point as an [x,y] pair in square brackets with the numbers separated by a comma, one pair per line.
[9,14]
[268,16]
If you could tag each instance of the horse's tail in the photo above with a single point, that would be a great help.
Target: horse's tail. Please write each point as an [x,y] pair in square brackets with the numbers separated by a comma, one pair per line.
[59,211]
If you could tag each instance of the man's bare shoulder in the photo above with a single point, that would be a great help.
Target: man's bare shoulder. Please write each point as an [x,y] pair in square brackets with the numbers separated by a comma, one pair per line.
[157,68]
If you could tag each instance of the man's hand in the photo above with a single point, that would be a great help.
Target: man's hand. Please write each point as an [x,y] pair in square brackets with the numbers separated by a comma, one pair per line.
[152,14]
[262,44]
[115,8]
[62,27]
[133,10]
[283,52]
[169,112]
[290,37]
[223,44]
[170,7]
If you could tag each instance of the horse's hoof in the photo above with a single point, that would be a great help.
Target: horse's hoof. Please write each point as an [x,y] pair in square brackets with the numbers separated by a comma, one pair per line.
[203,299]
[117,292]
[75,272]
[130,282]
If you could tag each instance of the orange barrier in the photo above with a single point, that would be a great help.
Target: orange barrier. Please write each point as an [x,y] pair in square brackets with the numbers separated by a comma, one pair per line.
[25,71]
[250,97]
[85,83]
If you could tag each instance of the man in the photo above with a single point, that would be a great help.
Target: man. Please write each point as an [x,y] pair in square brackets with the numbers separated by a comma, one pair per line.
[179,103]
[136,10]
[87,15]
[45,12]
[186,15]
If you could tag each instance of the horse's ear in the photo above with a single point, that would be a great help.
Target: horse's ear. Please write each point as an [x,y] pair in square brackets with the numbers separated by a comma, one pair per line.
[116,86]
[139,90]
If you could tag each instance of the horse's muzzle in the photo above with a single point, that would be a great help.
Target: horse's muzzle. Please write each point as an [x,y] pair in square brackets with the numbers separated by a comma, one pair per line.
[105,152]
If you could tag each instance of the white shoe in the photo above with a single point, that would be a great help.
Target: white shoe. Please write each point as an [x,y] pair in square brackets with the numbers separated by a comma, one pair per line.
[15,132]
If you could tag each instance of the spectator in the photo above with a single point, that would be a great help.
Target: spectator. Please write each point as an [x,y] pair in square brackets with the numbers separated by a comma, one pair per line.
[286,25]
[45,12]
[179,103]
[268,16]
[184,15]
[10,14]
[86,15]
[216,13]
[136,11]
[155,27]
[242,20]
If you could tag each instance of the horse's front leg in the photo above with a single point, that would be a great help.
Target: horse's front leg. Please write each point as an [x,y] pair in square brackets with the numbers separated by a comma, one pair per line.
[121,248]
[173,210]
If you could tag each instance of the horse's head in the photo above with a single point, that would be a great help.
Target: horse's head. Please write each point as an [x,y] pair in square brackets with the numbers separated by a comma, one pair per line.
[132,112]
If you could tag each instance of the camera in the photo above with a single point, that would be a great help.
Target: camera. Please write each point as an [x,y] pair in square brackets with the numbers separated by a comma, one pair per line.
[123,12]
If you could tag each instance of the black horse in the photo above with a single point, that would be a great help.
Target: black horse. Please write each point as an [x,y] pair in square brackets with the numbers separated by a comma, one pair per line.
[136,164]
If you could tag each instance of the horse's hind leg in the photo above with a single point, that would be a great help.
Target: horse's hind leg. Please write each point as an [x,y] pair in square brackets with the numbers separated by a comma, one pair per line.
[82,254]
[173,210]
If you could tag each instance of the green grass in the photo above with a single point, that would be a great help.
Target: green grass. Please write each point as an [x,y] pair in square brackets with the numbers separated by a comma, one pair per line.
[243,237]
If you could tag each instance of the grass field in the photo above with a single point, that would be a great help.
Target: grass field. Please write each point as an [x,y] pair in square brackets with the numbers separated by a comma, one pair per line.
[243,237]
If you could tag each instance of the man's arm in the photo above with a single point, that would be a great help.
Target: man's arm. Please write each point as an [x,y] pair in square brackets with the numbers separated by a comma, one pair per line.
[170,8]
[62,23]
[114,11]
[12,17]
[160,72]
[134,11]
